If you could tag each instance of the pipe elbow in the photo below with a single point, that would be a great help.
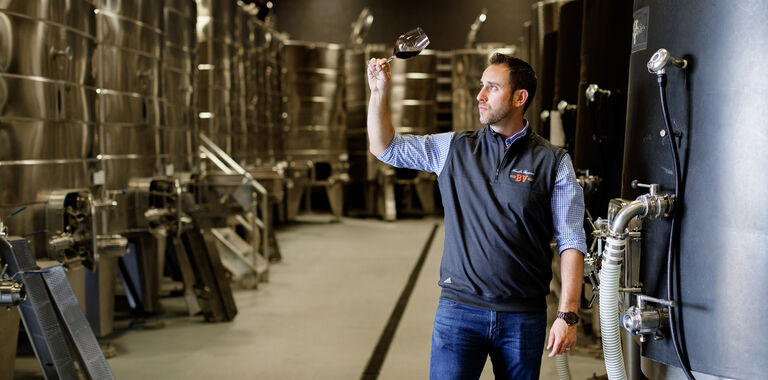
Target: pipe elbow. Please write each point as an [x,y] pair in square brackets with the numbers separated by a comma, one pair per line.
[622,219]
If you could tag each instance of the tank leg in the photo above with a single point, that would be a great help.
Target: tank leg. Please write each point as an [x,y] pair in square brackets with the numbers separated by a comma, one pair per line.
[145,276]
[100,296]
[370,198]
[9,335]
[293,193]
[335,192]
[387,204]
[275,255]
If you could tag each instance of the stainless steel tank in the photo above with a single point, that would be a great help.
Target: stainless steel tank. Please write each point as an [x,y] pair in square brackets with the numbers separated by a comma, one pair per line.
[178,133]
[356,100]
[718,105]
[130,45]
[413,91]
[599,140]
[444,91]
[526,41]
[256,93]
[264,80]
[467,66]
[263,105]
[413,109]
[130,115]
[276,99]
[545,16]
[240,39]
[314,142]
[216,63]
[566,80]
[48,127]
[316,130]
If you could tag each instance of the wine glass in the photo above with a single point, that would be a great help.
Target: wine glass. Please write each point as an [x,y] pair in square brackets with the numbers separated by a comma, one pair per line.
[410,44]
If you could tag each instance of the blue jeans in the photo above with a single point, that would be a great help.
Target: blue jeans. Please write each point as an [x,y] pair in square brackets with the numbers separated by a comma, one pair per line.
[463,337]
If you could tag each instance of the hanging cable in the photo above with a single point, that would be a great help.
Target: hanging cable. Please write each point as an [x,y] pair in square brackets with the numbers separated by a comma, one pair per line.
[672,251]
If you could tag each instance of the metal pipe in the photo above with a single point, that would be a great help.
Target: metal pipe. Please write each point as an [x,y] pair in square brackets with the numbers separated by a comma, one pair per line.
[475,27]
[622,219]
[613,255]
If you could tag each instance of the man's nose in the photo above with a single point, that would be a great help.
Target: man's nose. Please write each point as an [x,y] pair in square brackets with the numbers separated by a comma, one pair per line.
[481,95]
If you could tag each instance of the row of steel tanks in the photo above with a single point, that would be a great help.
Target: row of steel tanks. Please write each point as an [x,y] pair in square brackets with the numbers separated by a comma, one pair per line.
[708,84]
[657,110]
[580,52]
[314,138]
[124,142]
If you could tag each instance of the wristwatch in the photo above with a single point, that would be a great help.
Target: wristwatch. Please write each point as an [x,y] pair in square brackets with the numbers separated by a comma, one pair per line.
[569,317]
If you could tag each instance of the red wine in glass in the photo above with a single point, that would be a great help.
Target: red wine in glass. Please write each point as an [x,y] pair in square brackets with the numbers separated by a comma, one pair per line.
[410,44]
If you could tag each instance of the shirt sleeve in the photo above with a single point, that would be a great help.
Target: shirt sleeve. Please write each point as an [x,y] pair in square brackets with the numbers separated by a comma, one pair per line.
[568,209]
[428,152]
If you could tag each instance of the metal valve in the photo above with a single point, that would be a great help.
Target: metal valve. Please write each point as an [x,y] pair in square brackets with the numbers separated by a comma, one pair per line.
[61,242]
[158,215]
[563,106]
[652,188]
[656,205]
[11,291]
[112,245]
[592,257]
[588,181]
[644,319]
[659,61]
[591,274]
[593,90]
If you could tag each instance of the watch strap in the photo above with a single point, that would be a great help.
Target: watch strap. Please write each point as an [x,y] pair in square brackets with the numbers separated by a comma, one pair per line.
[570,318]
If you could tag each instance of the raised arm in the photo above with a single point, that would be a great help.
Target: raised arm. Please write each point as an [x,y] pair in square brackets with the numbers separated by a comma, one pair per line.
[380,129]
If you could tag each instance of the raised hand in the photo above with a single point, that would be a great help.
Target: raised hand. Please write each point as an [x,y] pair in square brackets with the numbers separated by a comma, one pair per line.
[378,74]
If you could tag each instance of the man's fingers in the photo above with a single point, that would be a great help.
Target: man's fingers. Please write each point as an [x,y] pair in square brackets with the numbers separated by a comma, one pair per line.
[557,347]
[376,66]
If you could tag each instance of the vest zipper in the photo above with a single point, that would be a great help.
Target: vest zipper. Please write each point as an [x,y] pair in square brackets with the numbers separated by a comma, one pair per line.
[501,162]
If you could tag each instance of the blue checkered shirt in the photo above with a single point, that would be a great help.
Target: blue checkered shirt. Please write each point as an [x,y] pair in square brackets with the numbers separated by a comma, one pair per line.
[430,152]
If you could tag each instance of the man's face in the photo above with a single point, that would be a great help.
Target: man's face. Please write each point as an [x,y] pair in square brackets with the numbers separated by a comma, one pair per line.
[495,97]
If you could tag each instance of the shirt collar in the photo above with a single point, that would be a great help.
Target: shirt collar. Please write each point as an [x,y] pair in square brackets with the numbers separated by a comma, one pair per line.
[511,139]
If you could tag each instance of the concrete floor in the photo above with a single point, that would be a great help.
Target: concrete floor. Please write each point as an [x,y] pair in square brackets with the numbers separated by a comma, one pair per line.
[319,317]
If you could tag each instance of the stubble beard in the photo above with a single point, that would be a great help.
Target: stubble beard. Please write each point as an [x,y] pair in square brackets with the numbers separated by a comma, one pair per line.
[493,117]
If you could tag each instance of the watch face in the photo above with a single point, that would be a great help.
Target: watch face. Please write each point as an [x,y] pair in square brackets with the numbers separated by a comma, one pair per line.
[569,318]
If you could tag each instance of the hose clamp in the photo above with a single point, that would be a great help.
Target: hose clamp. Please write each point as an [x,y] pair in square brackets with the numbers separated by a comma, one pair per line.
[657,206]
[614,250]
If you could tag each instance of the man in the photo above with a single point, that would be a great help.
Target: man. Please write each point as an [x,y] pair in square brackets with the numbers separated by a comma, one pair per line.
[506,192]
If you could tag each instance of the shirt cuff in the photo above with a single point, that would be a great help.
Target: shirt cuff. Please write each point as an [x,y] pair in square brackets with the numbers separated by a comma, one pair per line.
[386,156]
[580,246]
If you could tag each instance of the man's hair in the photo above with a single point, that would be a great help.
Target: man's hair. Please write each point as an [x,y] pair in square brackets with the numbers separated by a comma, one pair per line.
[521,74]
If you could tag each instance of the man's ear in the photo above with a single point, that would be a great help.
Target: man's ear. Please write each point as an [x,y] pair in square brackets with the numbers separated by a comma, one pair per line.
[520,97]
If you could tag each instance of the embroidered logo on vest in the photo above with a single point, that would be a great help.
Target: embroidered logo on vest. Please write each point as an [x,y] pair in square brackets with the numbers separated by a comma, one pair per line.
[521,175]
